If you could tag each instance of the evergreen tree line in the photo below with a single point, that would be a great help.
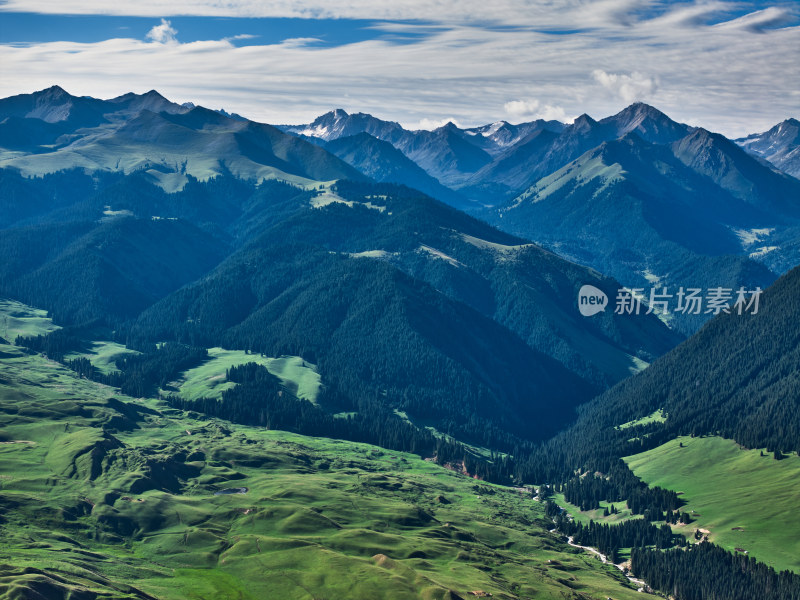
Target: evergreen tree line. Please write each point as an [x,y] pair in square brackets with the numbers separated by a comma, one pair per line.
[259,399]
[619,484]
[83,367]
[609,539]
[139,375]
[143,374]
[53,345]
[707,572]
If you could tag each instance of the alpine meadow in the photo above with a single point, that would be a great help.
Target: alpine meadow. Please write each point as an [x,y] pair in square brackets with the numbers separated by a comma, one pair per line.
[359,302]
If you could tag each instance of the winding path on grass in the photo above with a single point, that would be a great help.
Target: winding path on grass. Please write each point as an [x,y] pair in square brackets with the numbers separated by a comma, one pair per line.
[642,585]
[621,566]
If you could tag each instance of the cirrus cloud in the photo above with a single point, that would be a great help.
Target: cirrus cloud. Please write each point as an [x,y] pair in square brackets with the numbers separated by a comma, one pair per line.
[695,60]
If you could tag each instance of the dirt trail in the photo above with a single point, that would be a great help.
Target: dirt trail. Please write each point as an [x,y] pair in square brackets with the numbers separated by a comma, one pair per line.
[642,585]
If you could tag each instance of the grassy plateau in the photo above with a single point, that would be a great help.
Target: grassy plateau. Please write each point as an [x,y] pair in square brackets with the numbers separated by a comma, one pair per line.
[105,496]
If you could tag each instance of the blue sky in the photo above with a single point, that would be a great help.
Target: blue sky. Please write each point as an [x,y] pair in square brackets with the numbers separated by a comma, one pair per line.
[728,66]
[32,28]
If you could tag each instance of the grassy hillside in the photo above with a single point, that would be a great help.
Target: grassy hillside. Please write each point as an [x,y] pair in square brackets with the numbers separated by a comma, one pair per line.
[737,378]
[18,319]
[208,380]
[105,496]
[744,499]
[586,516]
[103,355]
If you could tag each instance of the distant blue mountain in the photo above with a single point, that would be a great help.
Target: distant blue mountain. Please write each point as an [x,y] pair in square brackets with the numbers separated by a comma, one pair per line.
[780,146]
[696,211]
[50,131]
[450,154]
[383,162]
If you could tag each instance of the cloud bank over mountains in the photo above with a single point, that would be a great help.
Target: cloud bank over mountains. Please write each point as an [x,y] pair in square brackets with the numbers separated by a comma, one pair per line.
[730,67]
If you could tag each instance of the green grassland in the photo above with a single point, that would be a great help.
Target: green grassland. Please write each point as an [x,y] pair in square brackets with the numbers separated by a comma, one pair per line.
[103,496]
[208,380]
[655,417]
[19,319]
[585,516]
[103,355]
[744,499]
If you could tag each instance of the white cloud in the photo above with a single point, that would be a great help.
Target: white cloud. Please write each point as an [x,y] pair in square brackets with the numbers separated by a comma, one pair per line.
[431,124]
[543,13]
[519,110]
[760,21]
[163,34]
[629,88]
[735,78]
[241,36]
[300,42]
[553,113]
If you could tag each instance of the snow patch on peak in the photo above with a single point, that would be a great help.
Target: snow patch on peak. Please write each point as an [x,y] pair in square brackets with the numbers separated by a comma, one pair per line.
[494,128]
[327,127]
[319,131]
[762,251]
[50,113]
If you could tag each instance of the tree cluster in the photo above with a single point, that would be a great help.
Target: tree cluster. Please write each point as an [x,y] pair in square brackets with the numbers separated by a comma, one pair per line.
[707,572]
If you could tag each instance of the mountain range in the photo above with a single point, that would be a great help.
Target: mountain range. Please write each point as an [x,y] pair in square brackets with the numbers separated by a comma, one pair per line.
[190,226]
[120,183]
[52,131]
[636,195]
[429,286]
[449,154]
[500,160]
[696,213]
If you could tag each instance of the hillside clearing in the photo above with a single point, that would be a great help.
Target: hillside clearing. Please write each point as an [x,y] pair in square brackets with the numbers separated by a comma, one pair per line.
[208,380]
[17,319]
[744,499]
